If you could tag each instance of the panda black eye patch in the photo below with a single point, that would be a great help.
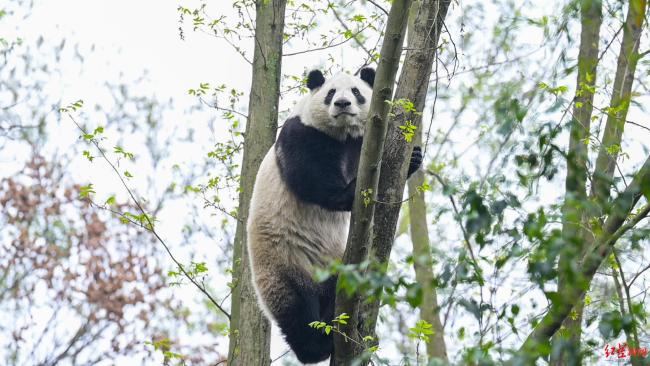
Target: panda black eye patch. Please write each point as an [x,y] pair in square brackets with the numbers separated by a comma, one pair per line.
[330,95]
[357,94]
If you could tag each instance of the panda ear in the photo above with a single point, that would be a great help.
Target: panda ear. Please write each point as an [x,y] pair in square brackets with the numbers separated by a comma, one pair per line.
[368,75]
[315,79]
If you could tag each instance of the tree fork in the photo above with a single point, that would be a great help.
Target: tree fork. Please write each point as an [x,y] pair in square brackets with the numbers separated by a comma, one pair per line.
[367,179]
[426,22]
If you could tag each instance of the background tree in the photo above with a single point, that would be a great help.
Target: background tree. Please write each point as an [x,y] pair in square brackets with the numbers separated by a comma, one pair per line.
[250,330]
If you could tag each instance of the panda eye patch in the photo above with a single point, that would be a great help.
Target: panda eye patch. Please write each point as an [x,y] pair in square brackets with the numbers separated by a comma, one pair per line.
[330,95]
[357,94]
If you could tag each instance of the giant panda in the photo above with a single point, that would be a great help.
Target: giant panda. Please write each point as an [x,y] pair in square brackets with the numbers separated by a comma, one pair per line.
[300,207]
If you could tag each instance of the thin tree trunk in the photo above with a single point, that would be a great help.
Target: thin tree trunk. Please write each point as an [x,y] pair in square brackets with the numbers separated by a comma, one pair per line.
[249,329]
[567,345]
[605,163]
[631,335]
[427,18]
[613,228]
[358,243]
[628,58]
[423,265]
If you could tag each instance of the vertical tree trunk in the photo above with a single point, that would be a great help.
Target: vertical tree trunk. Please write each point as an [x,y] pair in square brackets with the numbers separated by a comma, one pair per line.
[574,216]
[631,335]
[566,347]
[628,58]
[358,243]
[424,32]
[423,265]
[249,329]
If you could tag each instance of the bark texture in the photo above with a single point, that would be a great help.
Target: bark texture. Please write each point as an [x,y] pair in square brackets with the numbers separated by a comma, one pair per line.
[427,18]
[368,175]
[249,329]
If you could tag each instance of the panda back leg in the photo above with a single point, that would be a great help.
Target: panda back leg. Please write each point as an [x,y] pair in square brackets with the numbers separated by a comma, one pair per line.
[300,302]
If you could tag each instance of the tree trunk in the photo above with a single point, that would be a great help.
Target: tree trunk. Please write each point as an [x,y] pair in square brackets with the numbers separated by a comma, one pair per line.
[423,265]
[249,329]
[358,243]
[424,32]
[628,58]
[566,347]
[631,335]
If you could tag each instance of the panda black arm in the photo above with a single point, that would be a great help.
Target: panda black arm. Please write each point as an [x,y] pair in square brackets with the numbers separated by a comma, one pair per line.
[313,165]
[344,201]
[416,161]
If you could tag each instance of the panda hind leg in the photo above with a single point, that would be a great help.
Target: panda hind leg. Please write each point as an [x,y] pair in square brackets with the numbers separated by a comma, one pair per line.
[303,302]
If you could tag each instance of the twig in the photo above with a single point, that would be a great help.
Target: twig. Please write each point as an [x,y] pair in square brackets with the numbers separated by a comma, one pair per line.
[282,355]
[331,45]
[638,274]
[457,214]
[378,6]
[356,39]
[216,106]
[150,227]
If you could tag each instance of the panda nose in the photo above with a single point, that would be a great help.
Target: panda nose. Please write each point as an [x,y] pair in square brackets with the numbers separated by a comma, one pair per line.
[342,103]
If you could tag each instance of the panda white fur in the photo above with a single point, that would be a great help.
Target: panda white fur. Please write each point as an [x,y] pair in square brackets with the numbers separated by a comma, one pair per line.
[300,208]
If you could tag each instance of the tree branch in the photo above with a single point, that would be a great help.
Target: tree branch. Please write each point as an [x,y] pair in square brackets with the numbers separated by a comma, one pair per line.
[148,224]
[613,228]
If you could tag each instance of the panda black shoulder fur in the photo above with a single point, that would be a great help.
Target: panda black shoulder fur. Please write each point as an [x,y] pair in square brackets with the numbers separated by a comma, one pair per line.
[300,208]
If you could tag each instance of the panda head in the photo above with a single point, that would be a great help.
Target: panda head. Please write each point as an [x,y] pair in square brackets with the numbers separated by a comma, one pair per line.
[339,105]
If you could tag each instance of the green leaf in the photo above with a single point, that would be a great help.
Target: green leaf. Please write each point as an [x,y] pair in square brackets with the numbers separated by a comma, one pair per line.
[121,151]
[86,191]
[110,200]
[86,153]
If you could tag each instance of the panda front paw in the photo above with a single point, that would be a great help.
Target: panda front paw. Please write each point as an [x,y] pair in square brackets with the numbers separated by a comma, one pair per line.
[416,160]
